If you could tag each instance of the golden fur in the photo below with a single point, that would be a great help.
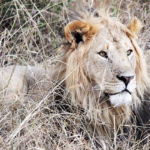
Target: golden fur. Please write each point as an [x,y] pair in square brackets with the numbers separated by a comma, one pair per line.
[105,118]
[73,70]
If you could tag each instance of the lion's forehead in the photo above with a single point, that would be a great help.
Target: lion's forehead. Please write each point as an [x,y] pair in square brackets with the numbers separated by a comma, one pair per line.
[112,39]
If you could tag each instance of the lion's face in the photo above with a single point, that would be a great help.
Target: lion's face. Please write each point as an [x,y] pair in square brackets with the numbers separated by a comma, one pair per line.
[111,65]
[104,56]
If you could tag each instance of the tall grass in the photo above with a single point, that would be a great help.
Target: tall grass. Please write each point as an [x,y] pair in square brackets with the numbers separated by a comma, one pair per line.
[30,33]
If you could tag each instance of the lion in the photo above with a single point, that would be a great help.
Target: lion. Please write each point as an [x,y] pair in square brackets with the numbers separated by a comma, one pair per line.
[16,81]
[101,68]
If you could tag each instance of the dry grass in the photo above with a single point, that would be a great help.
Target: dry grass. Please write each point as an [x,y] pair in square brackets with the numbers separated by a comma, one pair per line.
[30,32]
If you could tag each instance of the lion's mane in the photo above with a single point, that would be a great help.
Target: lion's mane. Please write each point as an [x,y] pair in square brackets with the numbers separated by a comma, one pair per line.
[71,70]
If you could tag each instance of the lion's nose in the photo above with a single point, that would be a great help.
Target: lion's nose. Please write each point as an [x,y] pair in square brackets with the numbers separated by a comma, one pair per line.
[125,79]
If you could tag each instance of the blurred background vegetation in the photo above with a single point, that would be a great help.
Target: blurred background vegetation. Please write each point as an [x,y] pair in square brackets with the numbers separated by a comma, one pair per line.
[31,30]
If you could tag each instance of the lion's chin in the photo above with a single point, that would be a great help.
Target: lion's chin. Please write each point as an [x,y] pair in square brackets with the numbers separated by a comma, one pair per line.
[123,98]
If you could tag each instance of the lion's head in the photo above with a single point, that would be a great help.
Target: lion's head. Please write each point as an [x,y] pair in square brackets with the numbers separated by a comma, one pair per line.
[103,66]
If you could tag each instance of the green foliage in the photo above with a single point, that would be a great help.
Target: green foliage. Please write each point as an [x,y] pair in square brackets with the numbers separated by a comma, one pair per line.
[115,10]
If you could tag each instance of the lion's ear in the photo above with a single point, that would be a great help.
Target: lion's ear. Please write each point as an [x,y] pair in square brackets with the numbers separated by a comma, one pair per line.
[78,31]
[135,25]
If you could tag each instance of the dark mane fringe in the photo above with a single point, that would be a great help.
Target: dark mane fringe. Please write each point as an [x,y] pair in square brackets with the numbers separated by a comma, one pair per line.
[142,117]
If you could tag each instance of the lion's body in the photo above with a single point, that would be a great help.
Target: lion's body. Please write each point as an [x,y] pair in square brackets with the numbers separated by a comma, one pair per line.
[103,69]
[17,81]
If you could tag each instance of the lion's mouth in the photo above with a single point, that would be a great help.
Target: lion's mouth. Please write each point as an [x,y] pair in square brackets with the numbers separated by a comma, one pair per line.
[125,90]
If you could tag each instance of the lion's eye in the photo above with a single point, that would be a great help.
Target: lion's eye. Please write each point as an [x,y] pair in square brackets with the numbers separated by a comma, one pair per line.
[129,52]
[103,54]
